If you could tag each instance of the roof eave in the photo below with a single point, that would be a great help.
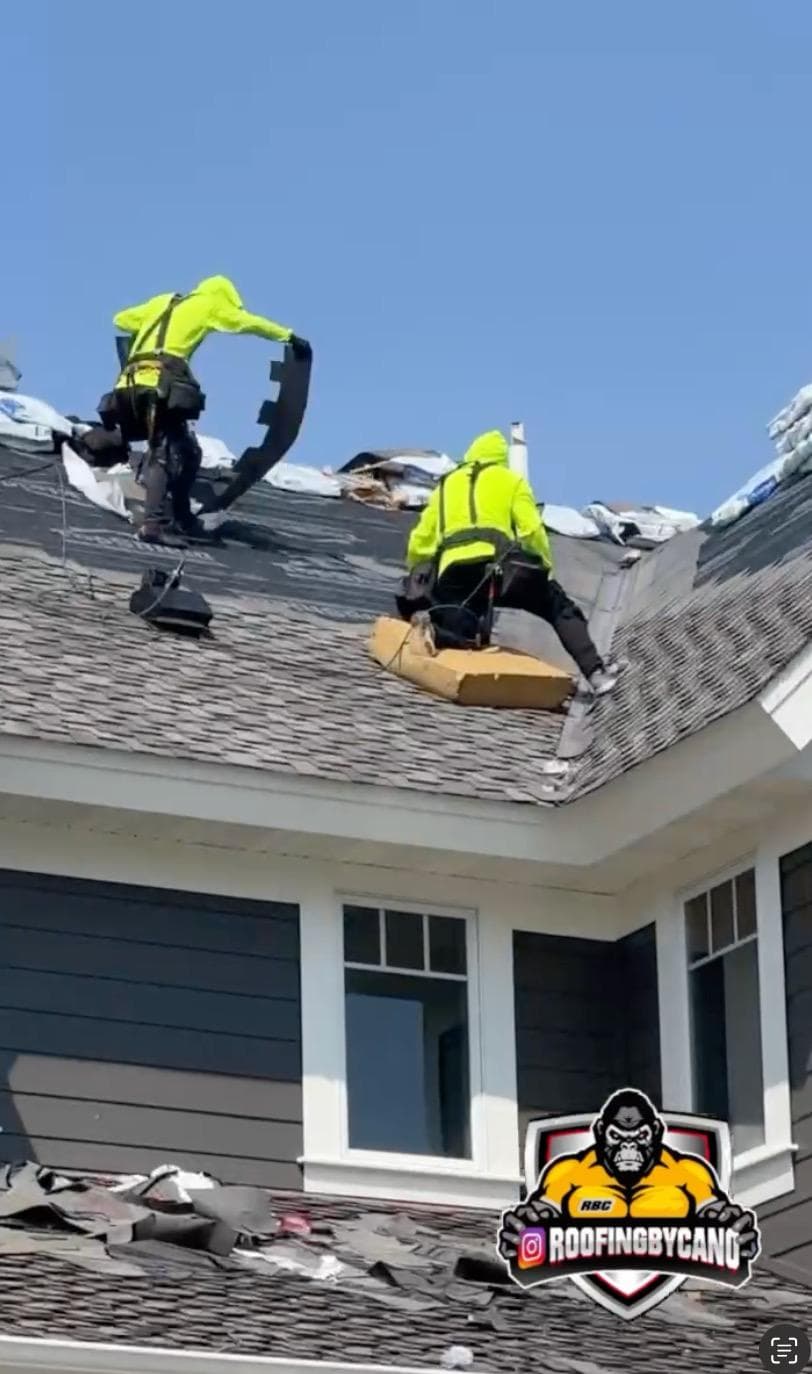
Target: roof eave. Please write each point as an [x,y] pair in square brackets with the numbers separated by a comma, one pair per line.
[23,1355]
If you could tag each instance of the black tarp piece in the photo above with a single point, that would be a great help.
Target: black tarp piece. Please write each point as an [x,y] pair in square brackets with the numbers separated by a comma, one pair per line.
[283,420]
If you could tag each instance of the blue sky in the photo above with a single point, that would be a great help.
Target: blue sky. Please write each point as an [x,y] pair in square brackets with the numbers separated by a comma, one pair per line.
[590,216]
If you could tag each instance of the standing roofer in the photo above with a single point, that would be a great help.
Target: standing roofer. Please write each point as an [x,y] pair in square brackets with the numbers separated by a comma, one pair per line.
[157,395]
[483,514]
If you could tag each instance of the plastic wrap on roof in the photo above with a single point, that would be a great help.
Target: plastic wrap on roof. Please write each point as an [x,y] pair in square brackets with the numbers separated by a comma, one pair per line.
[791,432]
[304,480]
[10,374]
[26,422]
[626,524]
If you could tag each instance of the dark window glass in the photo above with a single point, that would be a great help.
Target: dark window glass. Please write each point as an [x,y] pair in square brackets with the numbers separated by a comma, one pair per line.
[404,940]
[721,909]
[407,1064]
[362,935]
[726,1044]
[447,944]
[696,927]
[746,904]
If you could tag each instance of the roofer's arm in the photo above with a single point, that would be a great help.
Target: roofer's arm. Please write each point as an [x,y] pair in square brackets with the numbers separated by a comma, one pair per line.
[423,538]
[129,321]
[232,319]
[529,526]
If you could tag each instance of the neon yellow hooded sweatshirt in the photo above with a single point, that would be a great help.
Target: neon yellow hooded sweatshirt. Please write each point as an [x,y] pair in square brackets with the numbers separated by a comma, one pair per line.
[214,304]
[503,501]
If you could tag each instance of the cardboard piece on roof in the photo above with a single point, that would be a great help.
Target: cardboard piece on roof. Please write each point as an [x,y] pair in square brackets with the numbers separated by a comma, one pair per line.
[483,677]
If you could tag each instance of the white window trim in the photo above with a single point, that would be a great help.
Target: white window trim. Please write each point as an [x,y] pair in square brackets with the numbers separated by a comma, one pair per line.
[491,1177]
[766,1171]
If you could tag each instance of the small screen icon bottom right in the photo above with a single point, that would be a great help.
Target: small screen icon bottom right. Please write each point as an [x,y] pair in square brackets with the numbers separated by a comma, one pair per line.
[784,1347]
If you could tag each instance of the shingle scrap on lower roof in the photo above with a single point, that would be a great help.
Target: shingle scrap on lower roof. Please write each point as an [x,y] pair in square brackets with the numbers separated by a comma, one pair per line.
[229,1311]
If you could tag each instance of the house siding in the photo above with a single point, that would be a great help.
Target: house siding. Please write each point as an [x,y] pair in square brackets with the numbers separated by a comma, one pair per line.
[587,1021]
[787,1221]
[140,1026]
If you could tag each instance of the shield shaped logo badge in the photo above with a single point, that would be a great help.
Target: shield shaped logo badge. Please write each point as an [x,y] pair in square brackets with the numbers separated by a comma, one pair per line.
[591,1198]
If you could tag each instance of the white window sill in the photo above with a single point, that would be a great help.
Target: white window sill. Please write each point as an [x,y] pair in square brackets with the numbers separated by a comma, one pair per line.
[763,1173]
[407,1178]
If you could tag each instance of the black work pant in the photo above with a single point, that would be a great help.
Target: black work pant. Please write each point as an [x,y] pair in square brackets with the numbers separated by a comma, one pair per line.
[525,585]
[172,460]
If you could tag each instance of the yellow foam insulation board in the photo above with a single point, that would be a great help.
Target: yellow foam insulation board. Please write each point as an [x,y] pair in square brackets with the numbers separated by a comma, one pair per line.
[471,677]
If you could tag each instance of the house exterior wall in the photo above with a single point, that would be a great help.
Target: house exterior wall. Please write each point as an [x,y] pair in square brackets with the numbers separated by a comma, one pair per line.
[113,849]
[772,1176]
[140,1025]
[587,1020]
[788,1221]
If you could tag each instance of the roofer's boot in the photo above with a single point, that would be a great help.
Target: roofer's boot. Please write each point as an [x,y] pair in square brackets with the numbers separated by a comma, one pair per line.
[194,529]
[151,532]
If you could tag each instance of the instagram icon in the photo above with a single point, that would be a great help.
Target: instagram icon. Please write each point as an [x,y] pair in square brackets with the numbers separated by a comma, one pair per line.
[532,1247]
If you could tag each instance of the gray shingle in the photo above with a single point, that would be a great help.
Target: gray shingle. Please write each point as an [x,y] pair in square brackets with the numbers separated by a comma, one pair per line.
[285,684]
[232,1312]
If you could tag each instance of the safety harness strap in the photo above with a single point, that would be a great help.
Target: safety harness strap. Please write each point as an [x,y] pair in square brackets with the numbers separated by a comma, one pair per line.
[160,326]
[474,533]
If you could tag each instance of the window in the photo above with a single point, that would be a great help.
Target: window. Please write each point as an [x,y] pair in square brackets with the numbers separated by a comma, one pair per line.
[406,1008]
[721,942]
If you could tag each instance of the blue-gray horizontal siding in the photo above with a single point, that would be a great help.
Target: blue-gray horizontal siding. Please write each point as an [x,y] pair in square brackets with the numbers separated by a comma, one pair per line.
[587,1020]
[787,1221]
[139,1026]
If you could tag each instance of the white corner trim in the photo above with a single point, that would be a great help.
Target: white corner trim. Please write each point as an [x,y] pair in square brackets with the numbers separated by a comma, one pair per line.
[408,1182]
[788,699]
[21,1355]
[773,999]
[763,1173]
[675,1014]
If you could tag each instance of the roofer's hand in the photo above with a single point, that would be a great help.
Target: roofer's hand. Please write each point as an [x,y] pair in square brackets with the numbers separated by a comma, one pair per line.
[301,348]
[738,1219]
[515,1222]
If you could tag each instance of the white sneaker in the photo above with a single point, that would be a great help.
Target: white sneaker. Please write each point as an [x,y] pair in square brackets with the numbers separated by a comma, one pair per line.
[603,679]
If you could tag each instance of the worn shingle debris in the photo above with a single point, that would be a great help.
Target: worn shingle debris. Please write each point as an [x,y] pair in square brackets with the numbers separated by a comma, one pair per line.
[250,1311]
[285,683]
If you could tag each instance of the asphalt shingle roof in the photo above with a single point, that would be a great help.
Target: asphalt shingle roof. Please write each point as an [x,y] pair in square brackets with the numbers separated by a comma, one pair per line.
[708,620]
[285,683]
[232,1311]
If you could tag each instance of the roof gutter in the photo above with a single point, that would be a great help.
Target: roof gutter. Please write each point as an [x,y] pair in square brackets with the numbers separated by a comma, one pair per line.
[22,1355]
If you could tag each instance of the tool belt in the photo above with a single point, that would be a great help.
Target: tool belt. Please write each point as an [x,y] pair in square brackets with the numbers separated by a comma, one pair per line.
[177,393]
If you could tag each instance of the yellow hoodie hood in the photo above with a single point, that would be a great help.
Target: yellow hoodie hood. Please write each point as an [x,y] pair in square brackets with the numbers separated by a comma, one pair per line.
[222,289]
[488,448]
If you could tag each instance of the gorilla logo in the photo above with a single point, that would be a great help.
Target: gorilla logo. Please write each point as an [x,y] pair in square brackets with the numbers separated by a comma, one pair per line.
[628,1172]
[628,1136]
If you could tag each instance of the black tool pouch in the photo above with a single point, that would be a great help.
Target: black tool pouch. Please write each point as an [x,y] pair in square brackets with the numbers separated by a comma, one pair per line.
[185,399]
[417,589]
[456,627]
[108,410]
[178,391]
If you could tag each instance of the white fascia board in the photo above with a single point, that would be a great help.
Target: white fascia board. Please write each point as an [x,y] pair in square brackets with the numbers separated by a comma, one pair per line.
[20,1355]
[736,750]
[788,699]
[230,794]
